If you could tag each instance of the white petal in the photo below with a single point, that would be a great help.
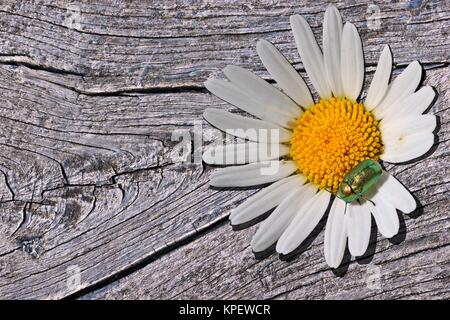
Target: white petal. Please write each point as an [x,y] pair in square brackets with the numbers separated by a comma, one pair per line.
[380,81]
[284,74]
[332,35]
[262,91]
[406,148]
[311,55]
[394,193]
[414,104]
[358,221]
[244,153]
[335,234]
[272,228]
[404,85]
[385,216]
[266,199]
[231,93]
[252,174]
[303,223]
[352,62]
[246,128]
[396,130]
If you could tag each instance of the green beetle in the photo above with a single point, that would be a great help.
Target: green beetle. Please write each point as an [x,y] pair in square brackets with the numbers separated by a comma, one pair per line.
[359,180]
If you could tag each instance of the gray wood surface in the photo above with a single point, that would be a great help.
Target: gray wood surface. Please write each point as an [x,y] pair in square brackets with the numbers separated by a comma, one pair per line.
[90,179]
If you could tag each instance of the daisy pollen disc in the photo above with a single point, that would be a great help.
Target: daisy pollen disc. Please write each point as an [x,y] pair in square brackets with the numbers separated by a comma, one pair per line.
[331,138]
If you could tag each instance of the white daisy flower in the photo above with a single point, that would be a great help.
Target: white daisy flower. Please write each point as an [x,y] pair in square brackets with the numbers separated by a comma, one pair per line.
[321,143]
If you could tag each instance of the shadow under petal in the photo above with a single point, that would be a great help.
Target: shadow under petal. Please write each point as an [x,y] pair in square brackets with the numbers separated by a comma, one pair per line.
[255,187]
[401,235]
[436,96]
[343,268]
[419,208]
[260,255]
[258,219]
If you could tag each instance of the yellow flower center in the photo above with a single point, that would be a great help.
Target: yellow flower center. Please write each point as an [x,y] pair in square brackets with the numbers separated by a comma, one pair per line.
[332,137]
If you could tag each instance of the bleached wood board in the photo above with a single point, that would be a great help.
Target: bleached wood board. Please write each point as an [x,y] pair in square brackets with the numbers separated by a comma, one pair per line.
[89,177]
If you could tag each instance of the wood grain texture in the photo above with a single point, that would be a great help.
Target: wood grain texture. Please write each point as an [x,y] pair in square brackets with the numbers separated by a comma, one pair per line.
[412,265]
[94,99]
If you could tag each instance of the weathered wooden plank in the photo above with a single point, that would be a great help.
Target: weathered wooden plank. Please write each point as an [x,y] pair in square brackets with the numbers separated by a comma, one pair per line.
[89,176]
[166,44]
